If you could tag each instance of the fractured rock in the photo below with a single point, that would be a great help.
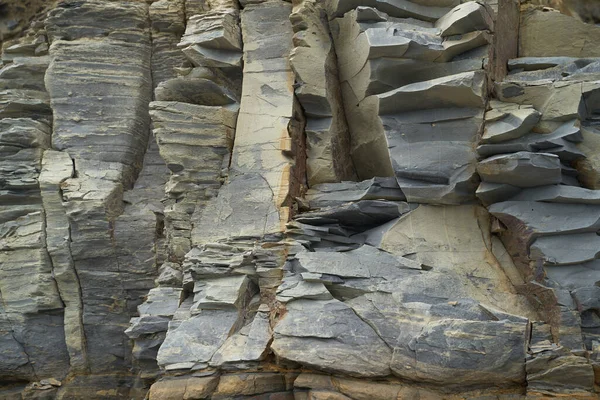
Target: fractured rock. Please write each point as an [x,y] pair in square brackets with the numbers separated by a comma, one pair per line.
[521,169]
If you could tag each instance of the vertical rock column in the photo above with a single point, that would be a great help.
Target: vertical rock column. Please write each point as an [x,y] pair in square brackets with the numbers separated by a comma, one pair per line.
[235,264]
[34,308]
[414,93]
[99,83]
[139,231]
[194,119]
[314,63]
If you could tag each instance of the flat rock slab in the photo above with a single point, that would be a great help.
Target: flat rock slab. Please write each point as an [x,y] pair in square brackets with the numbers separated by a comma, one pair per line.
[471,352]
[329,336]
[333,194]
[566,249]
[522,169]
[195,340]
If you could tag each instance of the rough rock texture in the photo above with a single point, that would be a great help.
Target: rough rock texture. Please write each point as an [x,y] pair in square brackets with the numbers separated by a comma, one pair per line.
[341,199]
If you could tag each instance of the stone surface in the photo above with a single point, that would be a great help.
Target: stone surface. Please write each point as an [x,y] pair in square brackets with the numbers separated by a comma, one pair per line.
[386,199]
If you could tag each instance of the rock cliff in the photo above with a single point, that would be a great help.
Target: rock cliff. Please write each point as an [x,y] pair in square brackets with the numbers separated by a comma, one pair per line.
[323,199]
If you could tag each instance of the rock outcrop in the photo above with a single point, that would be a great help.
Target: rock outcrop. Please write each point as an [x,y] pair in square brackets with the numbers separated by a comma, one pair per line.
[212,199]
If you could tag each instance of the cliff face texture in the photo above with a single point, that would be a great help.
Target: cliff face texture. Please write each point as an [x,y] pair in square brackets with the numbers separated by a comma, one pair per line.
[327,200]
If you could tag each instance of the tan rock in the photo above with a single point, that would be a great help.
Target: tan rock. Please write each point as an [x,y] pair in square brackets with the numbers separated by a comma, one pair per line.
[548,33]
[326,395]
[314,381]
[361,390]
[249,384]
[183,389]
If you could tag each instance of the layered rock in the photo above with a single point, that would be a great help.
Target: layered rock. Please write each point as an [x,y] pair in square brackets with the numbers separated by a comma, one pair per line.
[338,200]
[419,125]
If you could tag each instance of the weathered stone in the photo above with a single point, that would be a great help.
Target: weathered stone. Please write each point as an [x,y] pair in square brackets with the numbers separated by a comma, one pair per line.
[247,346]
[401,9]
[329,336]
[314,63]
[566,249]
[521,169]
[551,34]
[183,388]
[549,372]
[222,293]
[499,356]
[327,195]
[528,217]
[248,384]
[195,340]
[508,121]
[464,18]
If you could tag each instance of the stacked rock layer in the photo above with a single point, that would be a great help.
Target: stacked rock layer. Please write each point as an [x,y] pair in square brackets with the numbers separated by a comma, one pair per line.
[341,199]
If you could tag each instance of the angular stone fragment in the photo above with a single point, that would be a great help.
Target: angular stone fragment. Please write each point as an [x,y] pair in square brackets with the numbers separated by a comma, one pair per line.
[161,302]
[521,169]
[333,194]
[566,249]
[246,347]
[461,90]
[329,336]
[473,352]
[199,91]
[314,63]
[196,340]
[213,39]
[558,194]
[560,142]
[467,17]
[360,215]
[531,218]
[490,193]
[508,121]
[398,8]
[549,370]
[183,388]
[294,287]
[221,293]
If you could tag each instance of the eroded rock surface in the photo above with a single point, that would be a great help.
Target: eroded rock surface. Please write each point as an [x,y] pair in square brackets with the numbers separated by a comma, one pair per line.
[212,199]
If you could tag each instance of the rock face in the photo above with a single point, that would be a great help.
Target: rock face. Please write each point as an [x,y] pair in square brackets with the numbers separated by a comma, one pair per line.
[212,199]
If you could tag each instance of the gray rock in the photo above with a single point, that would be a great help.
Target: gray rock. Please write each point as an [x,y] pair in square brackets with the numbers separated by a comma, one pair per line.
[401,8]
[162,301]
[559,194]
[508,121]
[213,39]
[293,287]
[522,169]
[334,194]
[478,351]
[566,249]
[560,142]
[464,18]
[575,276]
[460,90]
[559,371]
[360,215]
[531,217]
[195,340]
[223,293]
[328,335]
[490,193]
